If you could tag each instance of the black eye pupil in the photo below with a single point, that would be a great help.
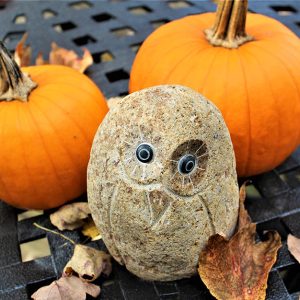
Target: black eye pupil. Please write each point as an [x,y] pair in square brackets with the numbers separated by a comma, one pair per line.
[187,164]
[144,153]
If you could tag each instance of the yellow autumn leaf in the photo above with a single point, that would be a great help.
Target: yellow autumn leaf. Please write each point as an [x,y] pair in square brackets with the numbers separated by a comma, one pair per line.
[90,230]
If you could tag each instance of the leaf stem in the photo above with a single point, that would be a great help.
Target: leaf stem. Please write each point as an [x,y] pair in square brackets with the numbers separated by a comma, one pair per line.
[54,232]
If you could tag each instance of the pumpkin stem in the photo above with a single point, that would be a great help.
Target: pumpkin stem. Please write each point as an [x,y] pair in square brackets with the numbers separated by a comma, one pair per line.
[229,28]
[13,83]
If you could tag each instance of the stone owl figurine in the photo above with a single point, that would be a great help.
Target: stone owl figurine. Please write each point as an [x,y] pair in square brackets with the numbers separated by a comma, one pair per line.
[161,180]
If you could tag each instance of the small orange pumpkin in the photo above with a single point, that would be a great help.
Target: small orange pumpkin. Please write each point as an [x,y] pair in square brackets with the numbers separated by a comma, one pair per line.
[45,138]
[251,72]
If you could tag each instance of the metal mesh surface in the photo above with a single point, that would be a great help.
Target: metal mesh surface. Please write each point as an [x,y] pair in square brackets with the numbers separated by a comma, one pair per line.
[113,31]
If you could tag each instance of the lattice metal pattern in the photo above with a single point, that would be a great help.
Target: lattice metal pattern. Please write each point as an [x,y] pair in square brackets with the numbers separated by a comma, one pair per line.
[113,31]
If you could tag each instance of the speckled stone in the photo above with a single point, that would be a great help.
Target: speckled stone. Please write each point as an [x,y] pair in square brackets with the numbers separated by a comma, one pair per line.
[154,218]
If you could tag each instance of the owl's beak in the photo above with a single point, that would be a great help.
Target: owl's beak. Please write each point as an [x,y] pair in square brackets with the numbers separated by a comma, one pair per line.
[158,204]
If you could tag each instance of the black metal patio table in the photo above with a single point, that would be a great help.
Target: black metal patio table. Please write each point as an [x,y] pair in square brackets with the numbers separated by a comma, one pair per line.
[113,31]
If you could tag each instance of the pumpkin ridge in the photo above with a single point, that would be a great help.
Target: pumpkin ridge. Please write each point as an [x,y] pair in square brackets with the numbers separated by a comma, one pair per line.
[144,78]
[226,72]
[202,87]
[156,40]
[292,77]
[248,113]
[165,54]
[56,80]
[58,181]
[1,134]
[23,145]
[69,84]
[282,63]
[199,22]
[87,91]
[225,89]
[69,116]
[199,52]
[73,161]
[179,62]
[277,32]
[267,82]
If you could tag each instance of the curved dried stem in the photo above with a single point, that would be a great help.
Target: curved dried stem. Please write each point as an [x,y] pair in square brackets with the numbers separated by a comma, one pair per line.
[14,85]
[54,232]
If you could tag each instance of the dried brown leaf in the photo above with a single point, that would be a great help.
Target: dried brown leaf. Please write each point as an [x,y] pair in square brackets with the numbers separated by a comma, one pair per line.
[70,216]
[57,56]
[293,244]
[244,218]
[23,52]
[238,268]
[40,60]
[69,288]
[88,263]
[62,56]
[90,230]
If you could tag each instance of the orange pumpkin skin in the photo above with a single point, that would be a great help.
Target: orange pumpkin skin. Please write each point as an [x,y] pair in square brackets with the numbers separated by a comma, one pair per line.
[256,86]
[45,142]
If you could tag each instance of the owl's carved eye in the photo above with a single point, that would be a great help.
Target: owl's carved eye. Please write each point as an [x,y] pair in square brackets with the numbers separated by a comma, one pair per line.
[144,153]
[187,167]
[187,164]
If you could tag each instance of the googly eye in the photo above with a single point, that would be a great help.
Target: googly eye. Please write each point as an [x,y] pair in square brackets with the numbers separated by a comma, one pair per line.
[187,164]
[144,153]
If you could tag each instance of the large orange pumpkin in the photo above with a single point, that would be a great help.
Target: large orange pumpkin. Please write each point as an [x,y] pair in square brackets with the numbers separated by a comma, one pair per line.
[252,74]
[46,138]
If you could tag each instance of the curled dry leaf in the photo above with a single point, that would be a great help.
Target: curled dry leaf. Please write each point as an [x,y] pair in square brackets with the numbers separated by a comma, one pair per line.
[294,246]
[89,229]
[88,263]
[71,288]
[22,53]
[70,216]
[40,59]
[57,56]
[62,56]
[244,218]
[238,268]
